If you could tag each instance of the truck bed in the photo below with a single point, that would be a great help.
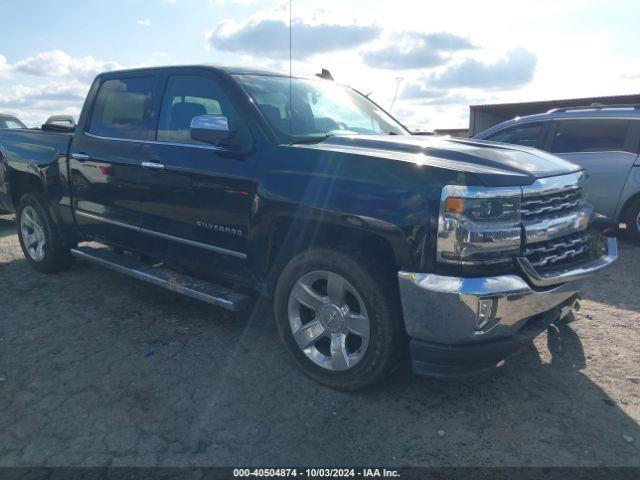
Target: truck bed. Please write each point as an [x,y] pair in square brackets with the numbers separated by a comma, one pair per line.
[25,150]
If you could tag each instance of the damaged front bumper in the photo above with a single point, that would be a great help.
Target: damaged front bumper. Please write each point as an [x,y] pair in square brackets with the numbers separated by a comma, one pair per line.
[463,325]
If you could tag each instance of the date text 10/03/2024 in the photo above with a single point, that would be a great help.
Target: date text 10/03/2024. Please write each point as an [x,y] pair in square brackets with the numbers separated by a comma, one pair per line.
[316,473]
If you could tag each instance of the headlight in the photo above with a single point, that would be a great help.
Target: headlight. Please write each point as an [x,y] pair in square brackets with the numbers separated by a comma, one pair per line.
[478,225]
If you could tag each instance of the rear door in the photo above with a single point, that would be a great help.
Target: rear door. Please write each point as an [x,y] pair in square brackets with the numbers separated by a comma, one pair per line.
[605,147]
[106,158]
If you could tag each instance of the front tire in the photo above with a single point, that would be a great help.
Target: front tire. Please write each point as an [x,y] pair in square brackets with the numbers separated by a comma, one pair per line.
[633,220]
[41,243]
[340,318]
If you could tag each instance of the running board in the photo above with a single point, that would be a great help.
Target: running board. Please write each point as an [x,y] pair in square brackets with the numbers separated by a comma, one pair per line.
[164,277]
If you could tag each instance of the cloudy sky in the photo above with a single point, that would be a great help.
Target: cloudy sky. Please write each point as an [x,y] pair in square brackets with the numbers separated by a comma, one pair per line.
[440,56]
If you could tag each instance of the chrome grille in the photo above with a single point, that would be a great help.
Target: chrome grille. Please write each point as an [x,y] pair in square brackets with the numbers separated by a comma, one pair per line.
[546,205]
[560,251]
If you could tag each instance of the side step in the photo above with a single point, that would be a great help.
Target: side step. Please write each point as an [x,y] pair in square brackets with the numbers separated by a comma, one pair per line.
[164,277]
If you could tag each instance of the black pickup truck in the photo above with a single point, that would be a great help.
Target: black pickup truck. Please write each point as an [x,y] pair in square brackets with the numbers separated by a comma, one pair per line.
[220,183]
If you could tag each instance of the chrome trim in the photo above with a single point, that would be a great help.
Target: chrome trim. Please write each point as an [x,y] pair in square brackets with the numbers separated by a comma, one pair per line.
[81,157]
[549,185]
[567,247]
[106,220]
[448,236]
[157,142]
[141,275]
[443,309]
[550,228]
[551,203]
[598,152]
[572,273]
[193,243]
[166,236]
[217,123]
[594,117]
[478,192]
[101,137]
[450,229]
[183,284]
[152,165]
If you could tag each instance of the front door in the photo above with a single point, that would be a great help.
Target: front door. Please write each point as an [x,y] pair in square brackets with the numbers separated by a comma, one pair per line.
[200,194]
[604,147]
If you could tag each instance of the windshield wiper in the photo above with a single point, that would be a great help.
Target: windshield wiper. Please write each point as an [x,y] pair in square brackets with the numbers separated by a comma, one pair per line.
[321,138]
[311,139]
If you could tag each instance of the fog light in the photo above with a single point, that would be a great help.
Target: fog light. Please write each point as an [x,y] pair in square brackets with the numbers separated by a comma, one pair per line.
[486,318]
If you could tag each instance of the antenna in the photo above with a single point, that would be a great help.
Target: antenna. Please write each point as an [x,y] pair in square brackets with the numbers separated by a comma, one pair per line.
[290,70]
[395,95]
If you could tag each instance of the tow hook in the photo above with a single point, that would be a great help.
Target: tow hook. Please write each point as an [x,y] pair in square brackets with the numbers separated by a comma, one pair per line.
[565,312]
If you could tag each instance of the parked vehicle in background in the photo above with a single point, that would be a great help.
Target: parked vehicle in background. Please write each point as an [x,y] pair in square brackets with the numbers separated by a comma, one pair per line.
[9,121]
[220,182]
[604,140]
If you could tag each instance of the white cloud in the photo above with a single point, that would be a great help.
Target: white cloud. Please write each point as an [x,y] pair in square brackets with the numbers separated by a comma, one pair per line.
[221,3]
[5,68]
[35,104]
[269,37]
[57,63]
[414,50]
[19,96]
[515,70]
[144,23]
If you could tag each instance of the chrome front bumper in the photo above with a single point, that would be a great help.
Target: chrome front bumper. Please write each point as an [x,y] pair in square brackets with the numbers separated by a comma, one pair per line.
[444,310]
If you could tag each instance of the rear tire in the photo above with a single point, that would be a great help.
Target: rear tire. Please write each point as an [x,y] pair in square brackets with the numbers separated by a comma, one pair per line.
[633,220]
[40,240]
[352,336]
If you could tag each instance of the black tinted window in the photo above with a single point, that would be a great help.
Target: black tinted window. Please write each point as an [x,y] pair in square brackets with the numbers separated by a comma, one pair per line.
[188,96]
[11,122]
[590,136]
[122,108]
[521,135]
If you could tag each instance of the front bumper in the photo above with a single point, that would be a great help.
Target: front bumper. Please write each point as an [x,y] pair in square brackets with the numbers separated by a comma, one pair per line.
[441,314]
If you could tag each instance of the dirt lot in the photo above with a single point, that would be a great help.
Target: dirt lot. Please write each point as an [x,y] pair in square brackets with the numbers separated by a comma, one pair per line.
[99,369]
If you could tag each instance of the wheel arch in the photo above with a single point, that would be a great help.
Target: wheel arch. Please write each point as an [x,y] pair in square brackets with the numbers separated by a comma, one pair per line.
[20,182]
[288,237]
[624,211]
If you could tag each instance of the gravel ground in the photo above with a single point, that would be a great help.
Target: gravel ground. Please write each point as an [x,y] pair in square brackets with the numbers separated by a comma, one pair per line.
[99,369]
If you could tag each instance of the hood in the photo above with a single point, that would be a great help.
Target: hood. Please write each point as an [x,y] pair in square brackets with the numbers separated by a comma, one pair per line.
[495,164]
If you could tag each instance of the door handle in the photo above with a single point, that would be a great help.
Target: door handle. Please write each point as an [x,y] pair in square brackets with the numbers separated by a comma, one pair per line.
[152,165]
[81,157]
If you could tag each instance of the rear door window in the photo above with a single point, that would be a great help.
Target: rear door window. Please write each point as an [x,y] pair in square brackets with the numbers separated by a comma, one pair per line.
[10,123]
[122,108]
[590,135]
[527,135]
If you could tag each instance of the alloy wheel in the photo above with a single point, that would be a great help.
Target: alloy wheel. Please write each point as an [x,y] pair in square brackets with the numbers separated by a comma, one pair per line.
[328,320]
[32,233]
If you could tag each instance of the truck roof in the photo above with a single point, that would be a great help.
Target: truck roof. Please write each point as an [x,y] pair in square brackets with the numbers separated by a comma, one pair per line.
[231,70]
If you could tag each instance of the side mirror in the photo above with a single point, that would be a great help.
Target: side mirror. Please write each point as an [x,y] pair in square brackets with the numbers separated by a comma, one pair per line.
[210,128]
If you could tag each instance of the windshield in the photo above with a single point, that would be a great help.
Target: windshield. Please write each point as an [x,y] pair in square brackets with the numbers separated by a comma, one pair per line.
[318,108]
